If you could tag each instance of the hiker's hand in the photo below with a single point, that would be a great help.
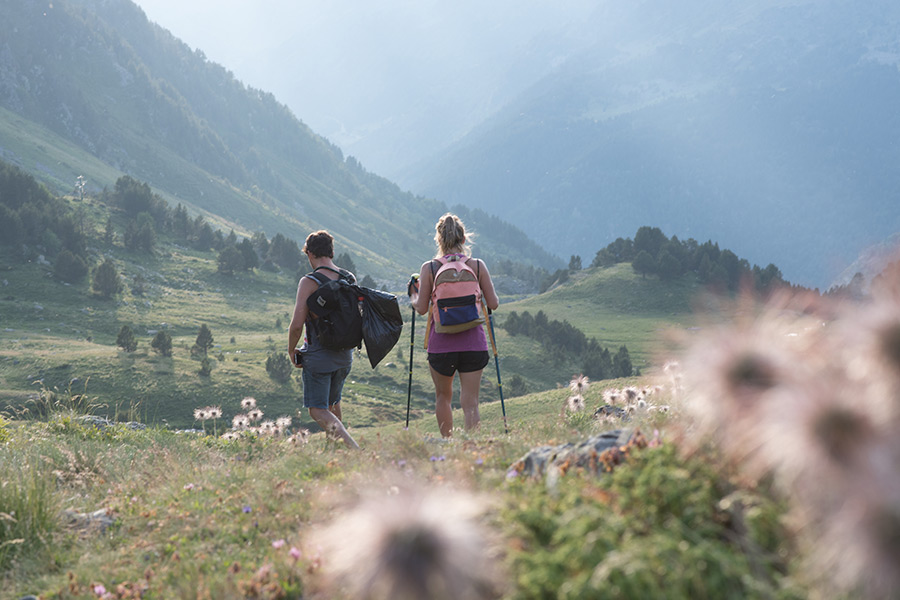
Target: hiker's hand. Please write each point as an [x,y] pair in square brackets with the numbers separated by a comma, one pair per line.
[412,289]
[297,358]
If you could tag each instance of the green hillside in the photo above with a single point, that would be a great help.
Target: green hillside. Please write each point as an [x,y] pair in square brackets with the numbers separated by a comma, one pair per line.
[55,335]
[94,89]
[616,306]
[59,336]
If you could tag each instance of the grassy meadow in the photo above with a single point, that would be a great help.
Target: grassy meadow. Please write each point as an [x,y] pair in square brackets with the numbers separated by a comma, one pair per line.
[738,471]
[195,516]
[735,460]
[57,336]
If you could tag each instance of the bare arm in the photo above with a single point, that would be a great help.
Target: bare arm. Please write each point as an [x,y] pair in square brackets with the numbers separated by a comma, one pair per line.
[295,332]
[426,282]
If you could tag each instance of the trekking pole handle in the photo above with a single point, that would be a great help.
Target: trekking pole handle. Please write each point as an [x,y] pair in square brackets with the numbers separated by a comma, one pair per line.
[412,288]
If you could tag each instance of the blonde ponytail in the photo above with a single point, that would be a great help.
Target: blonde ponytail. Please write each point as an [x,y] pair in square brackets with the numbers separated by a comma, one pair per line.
[450,236]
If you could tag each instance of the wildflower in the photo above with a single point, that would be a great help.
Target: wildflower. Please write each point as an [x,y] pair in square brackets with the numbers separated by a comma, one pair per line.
[278,544]
[420,543]
[295,553]
[189,486]
[301,437]
[579,384]
[99,589]
[268,427]
[240,422]
[575,403]
[248,403]
[283,423]
[246,509]
[230,436]
[214,412]
[200,414]
[255,414]
[611,396]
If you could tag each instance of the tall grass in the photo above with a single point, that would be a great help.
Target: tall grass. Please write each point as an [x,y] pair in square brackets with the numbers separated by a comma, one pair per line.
[29,504]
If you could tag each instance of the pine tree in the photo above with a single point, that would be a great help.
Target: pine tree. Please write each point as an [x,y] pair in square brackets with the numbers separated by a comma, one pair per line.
[643,263]
[126,340]
[205,367]
[106,282]
[69,267]
[230,260]
[162,343]
[204,339]
[279,367]
[622,363]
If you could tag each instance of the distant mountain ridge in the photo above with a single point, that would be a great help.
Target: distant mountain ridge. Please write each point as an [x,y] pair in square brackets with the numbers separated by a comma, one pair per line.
[98,75]
[770,126]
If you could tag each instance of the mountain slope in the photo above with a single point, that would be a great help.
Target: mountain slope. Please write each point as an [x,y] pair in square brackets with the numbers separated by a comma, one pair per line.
[103,80]
[769,126]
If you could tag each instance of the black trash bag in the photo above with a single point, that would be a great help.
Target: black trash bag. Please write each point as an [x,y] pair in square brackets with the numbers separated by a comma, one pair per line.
[381,324]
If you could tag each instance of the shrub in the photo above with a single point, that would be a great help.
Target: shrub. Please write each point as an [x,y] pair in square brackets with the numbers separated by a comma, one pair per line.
[106,280]
[70,267]
[279,367]
[126,340]
[162,343]
[658,526]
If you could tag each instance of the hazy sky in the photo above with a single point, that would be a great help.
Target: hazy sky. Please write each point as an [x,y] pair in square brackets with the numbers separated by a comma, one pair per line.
[387,81]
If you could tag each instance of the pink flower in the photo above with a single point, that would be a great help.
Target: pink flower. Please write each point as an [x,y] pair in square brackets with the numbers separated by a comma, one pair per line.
[189,486]
[278,544]
[99,589]
[295,553]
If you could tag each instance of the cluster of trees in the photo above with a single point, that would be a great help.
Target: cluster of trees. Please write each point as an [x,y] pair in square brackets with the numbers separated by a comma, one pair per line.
[652,253]
[147,215]
[162,345]
[31,215]
[562,338]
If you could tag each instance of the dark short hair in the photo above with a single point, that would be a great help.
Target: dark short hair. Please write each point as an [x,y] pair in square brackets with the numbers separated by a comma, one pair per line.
[320,243]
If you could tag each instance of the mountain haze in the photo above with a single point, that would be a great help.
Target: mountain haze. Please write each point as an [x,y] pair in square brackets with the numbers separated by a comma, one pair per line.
[770,126]
[92,87]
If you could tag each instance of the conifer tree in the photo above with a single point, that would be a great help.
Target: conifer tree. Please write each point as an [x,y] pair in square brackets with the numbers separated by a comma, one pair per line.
[204,339]
[69,267]
[643,263]
[126,340]
[106,282]
[162,343]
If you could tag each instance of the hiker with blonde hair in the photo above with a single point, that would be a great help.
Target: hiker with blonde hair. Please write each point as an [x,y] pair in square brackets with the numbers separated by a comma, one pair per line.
[453,289]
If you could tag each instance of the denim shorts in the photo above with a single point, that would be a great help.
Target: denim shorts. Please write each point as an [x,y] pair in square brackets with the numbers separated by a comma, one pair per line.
[448,363]
[323,390]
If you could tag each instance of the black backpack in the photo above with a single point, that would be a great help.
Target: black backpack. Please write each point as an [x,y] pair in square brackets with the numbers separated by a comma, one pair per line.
[338,308]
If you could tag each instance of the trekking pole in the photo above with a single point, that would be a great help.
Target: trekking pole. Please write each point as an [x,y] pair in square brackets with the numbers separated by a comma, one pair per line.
[413,287]
[487,311]
[412,333]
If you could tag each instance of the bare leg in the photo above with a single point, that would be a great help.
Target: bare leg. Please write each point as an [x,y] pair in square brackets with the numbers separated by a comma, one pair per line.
[470,385]
[443,394]
[331,424]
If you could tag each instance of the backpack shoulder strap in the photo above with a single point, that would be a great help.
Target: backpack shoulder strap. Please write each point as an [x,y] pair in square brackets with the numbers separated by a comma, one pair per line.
[342,273]
[318,278]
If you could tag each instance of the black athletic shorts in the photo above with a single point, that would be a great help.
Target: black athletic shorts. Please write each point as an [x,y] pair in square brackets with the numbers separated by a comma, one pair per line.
[448,363]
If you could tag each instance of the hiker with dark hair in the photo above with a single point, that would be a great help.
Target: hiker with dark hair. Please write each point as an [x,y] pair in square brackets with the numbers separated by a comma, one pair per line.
[452,289]
[324,369]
